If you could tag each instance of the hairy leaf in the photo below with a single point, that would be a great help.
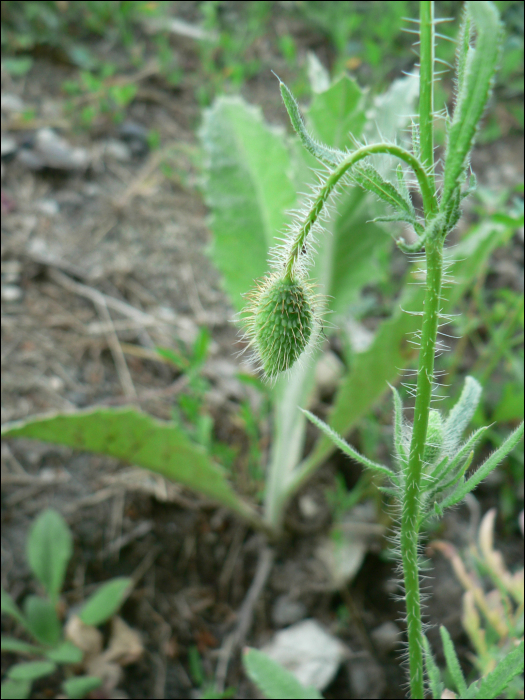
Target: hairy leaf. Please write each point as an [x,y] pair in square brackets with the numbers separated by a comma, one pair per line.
[138,439]
[273,680]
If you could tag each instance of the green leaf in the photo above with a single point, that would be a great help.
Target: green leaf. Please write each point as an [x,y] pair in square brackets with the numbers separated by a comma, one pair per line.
[380,364]
[17,66]
[31,670]
[138,439]
[399,446]
[65,653]
[452,661]
[357,250]
[42,620]
[348,449]
[272,679]
[497,680]
[318,150]
[49,549]
[16,690]
[80,686]
[18,647]
[476,73]
[367,177]
[248,190]
[461,415]
[105,602]
[484,470]
[433,674]
[338,113]
[354,255]
[9,607]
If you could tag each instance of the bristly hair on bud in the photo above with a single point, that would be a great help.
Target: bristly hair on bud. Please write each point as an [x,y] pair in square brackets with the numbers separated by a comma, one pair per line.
[281,319]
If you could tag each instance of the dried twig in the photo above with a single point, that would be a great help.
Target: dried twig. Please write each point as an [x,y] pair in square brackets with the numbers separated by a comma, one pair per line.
[245,616]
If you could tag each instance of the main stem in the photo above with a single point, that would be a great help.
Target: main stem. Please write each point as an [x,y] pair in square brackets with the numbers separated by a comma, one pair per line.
[409,535]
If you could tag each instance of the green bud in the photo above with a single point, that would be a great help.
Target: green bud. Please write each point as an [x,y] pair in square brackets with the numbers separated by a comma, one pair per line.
[280,322]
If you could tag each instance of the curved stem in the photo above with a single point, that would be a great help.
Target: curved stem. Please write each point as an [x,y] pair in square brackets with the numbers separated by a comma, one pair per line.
[326,190]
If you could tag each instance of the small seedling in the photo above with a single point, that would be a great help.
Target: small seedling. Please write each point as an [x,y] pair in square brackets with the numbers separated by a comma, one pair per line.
[49,549]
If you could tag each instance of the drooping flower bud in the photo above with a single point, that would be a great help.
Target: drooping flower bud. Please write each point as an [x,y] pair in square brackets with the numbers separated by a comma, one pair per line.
[281,316]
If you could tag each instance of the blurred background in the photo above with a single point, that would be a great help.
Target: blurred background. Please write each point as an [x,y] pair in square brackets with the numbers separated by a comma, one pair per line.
[112,294]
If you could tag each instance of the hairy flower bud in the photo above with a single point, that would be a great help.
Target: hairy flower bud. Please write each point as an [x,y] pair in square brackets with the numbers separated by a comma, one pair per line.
[281,319]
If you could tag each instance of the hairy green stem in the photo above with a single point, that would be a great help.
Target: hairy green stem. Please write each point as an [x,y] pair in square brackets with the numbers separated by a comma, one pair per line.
[429,201]
[409,535]
[426,85]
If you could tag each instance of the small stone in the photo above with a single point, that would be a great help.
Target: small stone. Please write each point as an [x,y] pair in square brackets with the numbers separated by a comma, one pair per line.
[386,637]
[308,506]
[309,652]
[8,146]
[52,151]
[10,292]
[286,611]
[11,270]
[49,207]
[11,103]
[117,150]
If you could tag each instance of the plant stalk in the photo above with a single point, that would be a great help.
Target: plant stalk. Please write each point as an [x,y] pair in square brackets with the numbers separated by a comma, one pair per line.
[409,534]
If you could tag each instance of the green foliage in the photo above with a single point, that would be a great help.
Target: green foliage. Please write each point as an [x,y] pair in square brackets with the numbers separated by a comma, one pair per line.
[207,687]
[492,614]
[227,55]
[49,549]
[492,685]
[138,439]
[272,679]
[104,94]
[447,459]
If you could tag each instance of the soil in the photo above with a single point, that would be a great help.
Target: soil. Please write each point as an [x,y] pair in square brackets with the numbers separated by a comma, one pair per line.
[119,229]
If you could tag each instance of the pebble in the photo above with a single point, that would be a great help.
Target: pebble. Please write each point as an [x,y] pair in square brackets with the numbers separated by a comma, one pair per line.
[50,150]
[286,611]
[386,637]
[10,292]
